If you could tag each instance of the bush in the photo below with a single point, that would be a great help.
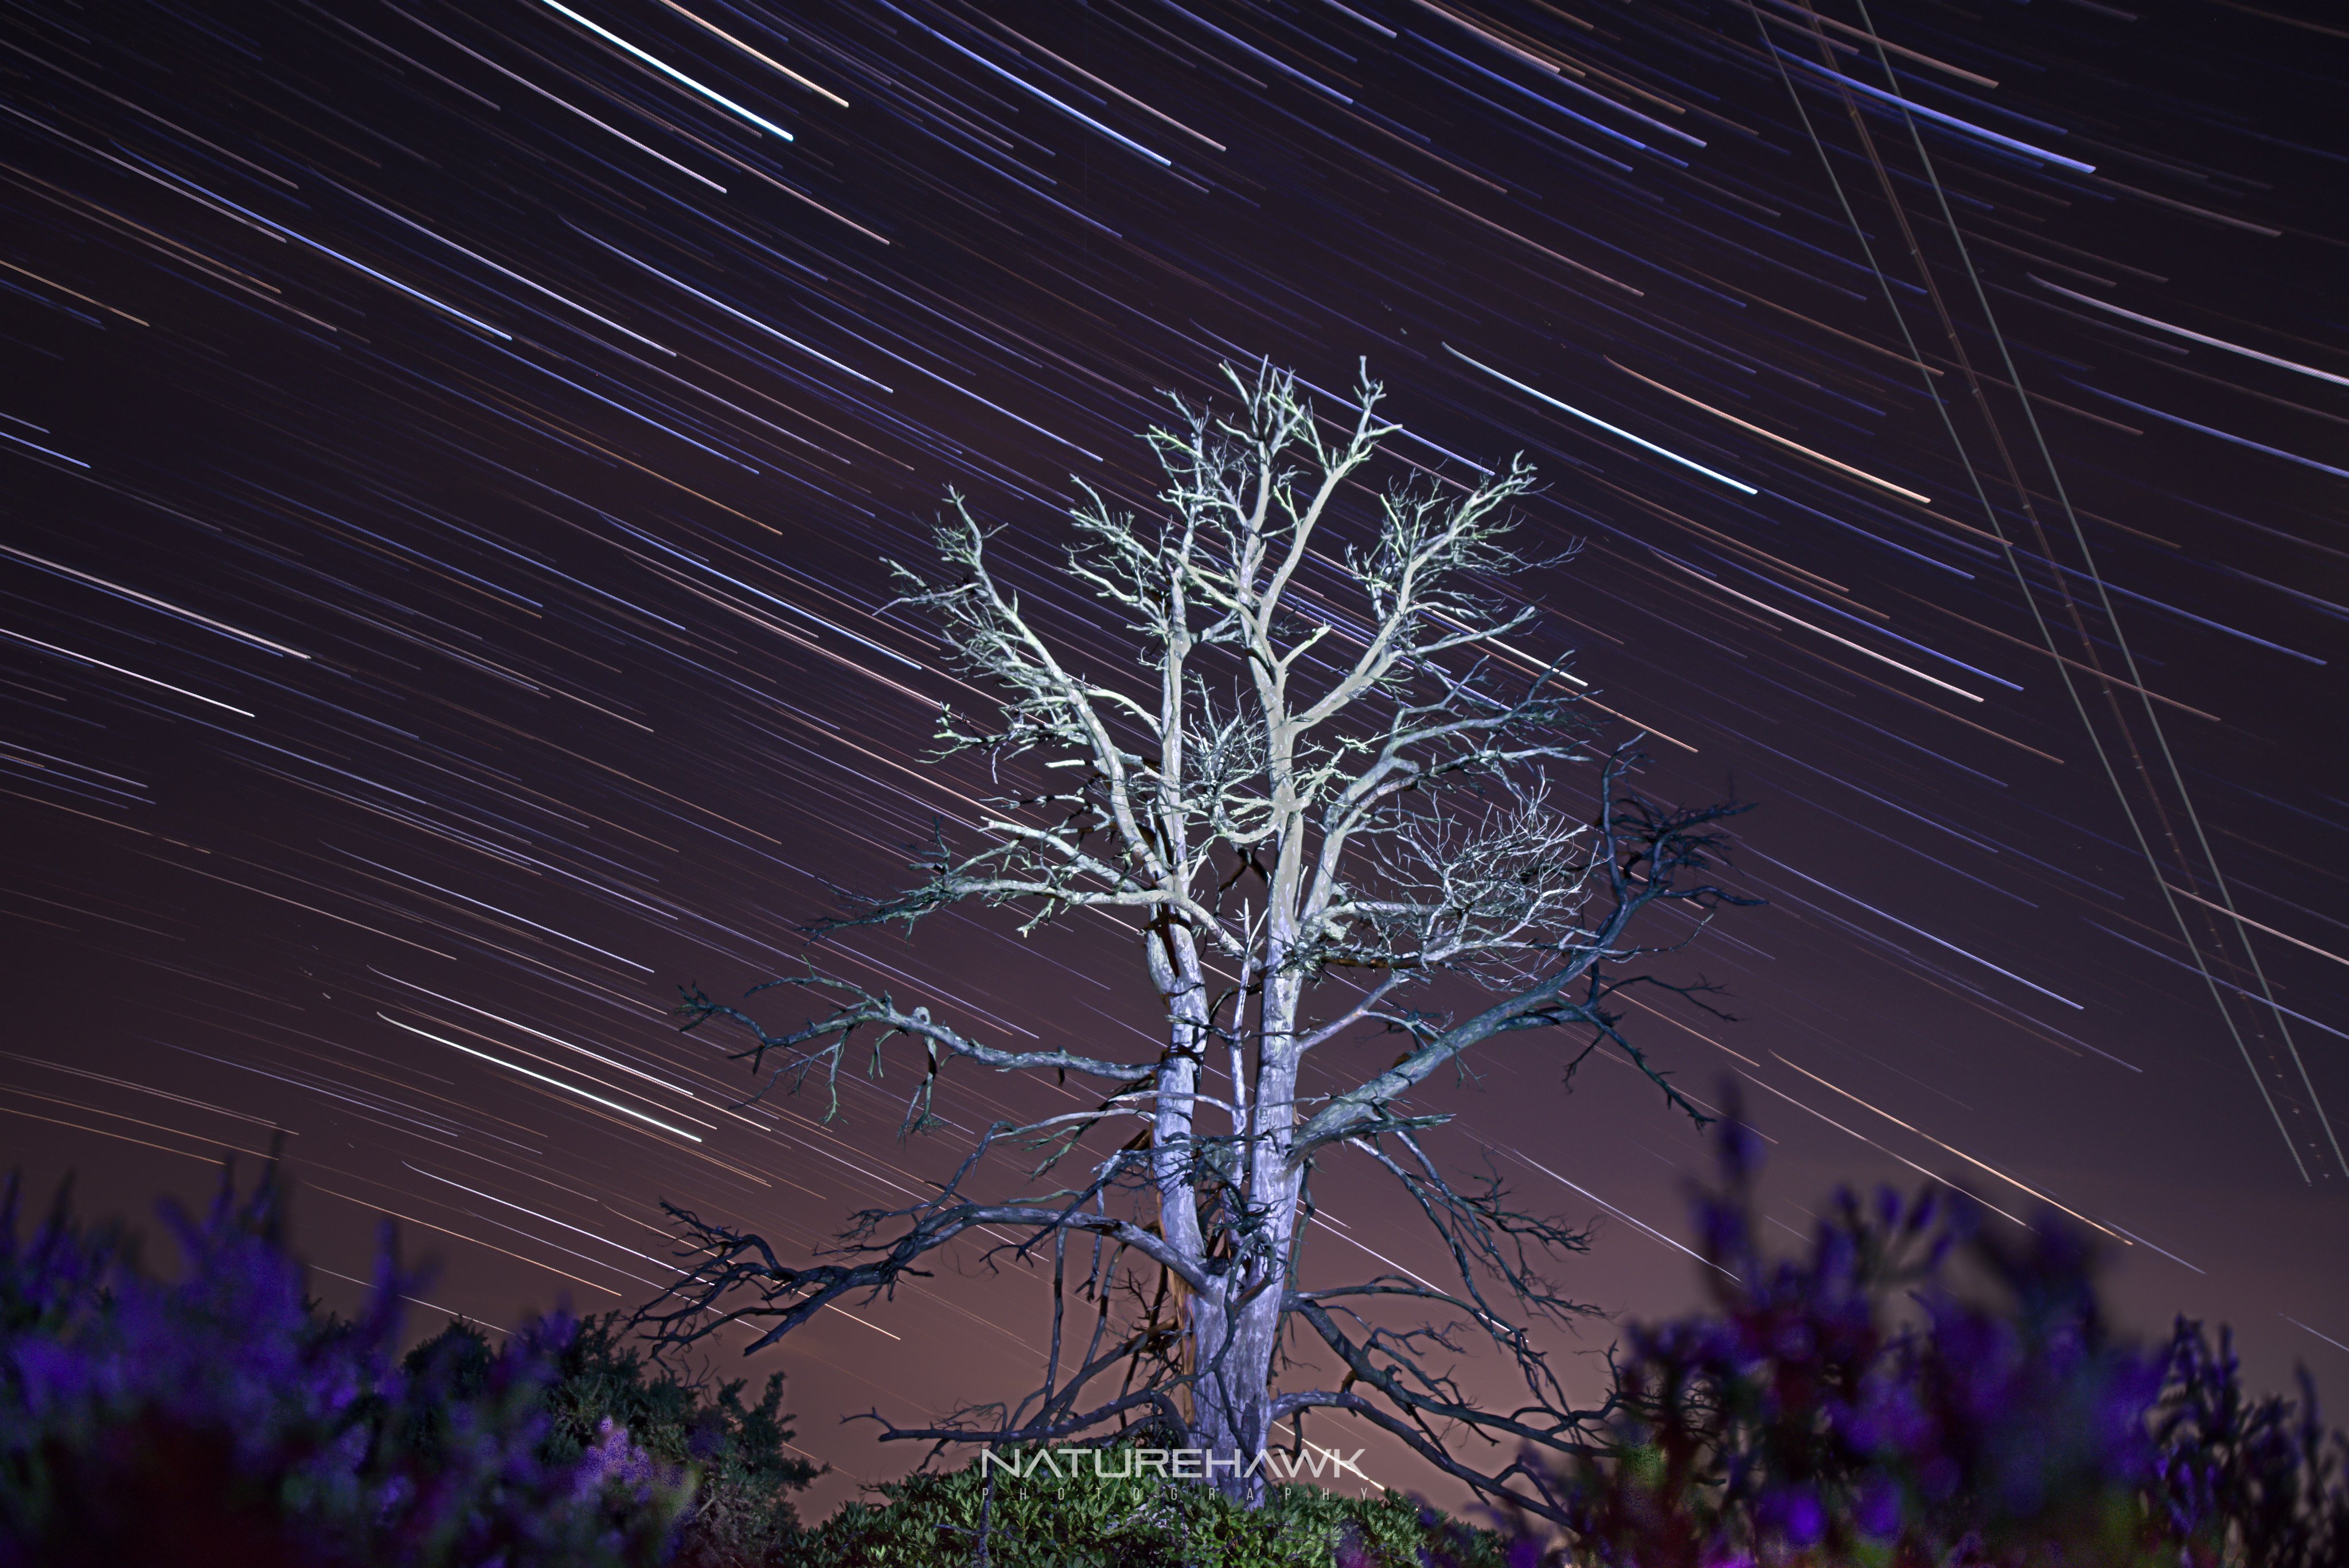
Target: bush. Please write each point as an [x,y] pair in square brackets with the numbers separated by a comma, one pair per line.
[1922,1389]
[935,1521]
[741,1510]
[219,1419]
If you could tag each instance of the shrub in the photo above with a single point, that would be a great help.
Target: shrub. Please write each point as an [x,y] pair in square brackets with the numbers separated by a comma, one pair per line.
[741,1510]
[935,1521]
[218,1418]
[1922,1389]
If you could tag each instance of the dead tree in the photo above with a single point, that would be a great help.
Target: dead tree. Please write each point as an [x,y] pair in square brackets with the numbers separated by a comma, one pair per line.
[1337,811]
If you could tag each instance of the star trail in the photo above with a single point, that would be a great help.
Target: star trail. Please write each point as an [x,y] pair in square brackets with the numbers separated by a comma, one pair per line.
[450,457]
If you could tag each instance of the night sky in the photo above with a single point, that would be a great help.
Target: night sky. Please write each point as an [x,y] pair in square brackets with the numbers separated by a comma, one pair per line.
[451,449]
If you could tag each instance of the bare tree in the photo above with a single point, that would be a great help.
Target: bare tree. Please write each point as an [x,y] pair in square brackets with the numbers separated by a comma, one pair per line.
[1335,812]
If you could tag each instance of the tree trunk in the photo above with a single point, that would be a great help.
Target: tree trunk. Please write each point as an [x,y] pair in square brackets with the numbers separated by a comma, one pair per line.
[1235,1336]
[1231,1401]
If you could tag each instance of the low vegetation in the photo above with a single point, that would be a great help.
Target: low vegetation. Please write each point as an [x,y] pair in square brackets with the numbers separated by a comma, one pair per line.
[1921,1388]
[931,1521]
[1931,1384]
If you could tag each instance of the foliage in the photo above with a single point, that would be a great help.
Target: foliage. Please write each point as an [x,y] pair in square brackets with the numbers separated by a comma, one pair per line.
[2257,1481]
[1919,1388]
[742,1509]
[219,1418]
[1922,1388]
[935,1521]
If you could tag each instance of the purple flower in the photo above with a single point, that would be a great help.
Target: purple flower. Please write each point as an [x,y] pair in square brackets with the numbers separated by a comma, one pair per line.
[1794,1514]
[1877,1509]
[1812,1410]
[139,1414]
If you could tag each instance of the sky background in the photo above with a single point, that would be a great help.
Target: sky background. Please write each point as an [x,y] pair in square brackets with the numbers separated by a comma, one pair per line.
[450,453]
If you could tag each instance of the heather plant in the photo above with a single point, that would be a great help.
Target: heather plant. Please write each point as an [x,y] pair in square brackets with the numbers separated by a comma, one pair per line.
[1921,1388]
[217,1418]
[741,1510]
[2259,1482]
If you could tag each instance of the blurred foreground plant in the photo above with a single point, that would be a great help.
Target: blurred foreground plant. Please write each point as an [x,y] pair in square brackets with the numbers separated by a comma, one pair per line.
[217,1418]
[1922,1388]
